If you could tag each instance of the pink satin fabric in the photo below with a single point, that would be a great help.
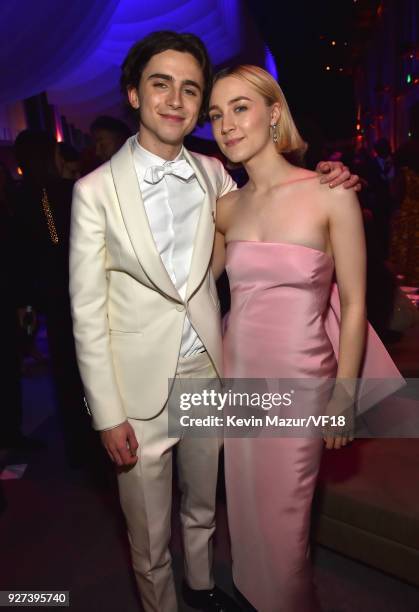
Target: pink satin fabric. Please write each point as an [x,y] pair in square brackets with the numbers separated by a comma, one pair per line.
[379,374]
[283,323]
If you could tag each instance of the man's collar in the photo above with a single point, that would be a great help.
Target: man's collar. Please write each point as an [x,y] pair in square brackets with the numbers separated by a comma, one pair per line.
[147,158]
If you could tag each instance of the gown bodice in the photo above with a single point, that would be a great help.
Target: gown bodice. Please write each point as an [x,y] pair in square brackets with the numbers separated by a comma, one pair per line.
[279,296]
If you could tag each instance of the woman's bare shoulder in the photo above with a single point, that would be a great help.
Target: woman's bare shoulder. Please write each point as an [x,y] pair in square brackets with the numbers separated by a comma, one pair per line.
[229,198]
[338,202]
[227,202]
[225,209]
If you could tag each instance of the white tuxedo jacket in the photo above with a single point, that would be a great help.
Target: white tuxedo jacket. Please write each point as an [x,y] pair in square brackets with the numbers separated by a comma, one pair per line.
[128,317]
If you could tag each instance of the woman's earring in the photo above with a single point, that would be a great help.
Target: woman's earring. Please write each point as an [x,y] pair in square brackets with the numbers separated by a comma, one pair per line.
[274,133]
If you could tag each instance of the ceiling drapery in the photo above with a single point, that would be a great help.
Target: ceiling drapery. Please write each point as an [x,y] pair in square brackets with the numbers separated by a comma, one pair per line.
[73,50]
[42,41]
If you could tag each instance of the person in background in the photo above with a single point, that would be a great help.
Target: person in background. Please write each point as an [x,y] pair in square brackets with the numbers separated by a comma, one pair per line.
[11,435]
[43,209]
[68,162]
[381,198]
[109,134]
[405,228]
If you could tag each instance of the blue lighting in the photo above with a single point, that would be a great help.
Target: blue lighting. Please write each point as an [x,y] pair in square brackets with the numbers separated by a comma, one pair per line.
[76,48]
[92,87]
[270,64]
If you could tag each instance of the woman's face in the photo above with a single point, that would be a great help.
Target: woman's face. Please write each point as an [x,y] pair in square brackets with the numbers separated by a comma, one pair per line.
[240,119]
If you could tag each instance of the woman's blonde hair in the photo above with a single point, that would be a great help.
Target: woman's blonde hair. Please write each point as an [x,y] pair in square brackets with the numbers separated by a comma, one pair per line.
[288,137]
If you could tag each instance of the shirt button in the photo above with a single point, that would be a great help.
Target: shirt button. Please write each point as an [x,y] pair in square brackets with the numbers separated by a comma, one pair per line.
[180,307]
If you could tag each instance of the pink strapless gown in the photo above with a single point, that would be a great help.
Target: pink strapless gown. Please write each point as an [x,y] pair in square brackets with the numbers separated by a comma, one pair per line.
[275,328]
[283,323]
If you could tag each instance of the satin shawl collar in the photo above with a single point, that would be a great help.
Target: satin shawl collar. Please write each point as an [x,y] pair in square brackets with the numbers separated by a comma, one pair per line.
[204,237]
[136,221]
[138,228]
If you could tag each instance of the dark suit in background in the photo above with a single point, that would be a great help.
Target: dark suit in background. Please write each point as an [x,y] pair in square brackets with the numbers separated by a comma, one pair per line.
[43,221]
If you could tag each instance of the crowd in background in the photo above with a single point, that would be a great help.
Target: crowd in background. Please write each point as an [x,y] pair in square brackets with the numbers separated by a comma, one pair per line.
[35,216]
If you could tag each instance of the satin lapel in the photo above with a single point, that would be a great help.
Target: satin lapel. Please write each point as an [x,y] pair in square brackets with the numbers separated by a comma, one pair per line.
[204,236]
[136,221]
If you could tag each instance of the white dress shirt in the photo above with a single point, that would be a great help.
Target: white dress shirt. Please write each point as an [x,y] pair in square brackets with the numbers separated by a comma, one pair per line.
[173,207]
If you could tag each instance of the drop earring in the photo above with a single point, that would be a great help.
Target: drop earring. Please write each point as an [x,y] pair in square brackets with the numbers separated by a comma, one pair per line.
[274,133]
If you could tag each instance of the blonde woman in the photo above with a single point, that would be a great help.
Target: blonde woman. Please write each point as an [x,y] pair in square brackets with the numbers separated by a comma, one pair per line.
[282,237]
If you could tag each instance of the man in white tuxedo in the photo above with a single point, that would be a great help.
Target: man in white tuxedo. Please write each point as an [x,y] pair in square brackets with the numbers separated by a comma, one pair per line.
[145,310]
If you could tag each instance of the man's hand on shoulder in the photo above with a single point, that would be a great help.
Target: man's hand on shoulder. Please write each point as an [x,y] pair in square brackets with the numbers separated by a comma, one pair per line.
[121,444]
[336,173]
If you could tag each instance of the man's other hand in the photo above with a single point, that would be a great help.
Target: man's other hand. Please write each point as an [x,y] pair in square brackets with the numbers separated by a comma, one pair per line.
[336,173]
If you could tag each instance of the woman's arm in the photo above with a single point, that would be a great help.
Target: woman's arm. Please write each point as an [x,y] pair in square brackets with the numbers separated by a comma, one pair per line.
[218,255]
[348,246]
[222,223]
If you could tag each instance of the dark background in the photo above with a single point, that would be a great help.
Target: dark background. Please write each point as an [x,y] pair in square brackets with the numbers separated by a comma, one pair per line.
[299,35]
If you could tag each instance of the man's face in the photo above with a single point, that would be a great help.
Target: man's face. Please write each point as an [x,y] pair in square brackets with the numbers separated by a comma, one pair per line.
[169,98]
[71,170]
[107,143]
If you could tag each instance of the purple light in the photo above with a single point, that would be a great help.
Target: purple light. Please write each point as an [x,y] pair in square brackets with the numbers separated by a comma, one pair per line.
[91,88]
[270,64]
[78,63]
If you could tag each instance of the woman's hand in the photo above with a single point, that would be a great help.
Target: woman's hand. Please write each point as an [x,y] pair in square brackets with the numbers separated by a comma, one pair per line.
[340,410]
[336,173]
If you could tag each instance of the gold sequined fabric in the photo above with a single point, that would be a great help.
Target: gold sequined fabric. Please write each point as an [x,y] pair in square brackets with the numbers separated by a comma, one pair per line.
[49,217]
[405,231]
